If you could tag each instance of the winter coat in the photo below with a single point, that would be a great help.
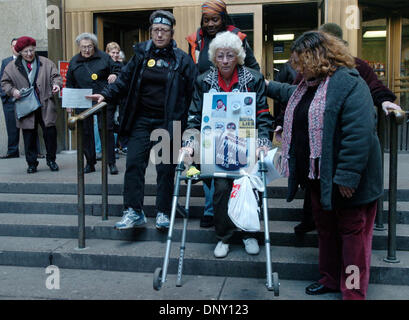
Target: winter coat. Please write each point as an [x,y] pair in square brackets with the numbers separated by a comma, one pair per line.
[15,77]
[81,69]
[351,154]
[178,93]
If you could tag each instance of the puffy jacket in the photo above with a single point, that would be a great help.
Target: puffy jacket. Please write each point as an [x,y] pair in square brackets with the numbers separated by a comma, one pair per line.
[178,92]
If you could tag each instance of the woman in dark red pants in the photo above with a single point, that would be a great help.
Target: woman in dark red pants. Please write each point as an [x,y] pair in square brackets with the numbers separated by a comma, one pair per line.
[330,144]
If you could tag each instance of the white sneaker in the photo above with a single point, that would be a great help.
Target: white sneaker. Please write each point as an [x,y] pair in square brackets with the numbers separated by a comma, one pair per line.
[251,246]
[221,250]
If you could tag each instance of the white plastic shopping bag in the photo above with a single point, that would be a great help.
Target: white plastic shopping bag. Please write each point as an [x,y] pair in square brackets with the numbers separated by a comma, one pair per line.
[243,207]
[272,161]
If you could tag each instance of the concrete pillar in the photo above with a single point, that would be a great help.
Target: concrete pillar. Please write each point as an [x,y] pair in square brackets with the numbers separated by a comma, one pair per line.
[346,14]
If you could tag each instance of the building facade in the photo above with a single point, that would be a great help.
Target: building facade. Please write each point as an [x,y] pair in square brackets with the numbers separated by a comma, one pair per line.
[376,30]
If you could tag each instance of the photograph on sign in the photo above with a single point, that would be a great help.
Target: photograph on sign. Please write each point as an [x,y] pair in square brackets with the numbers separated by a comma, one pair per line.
[228,132]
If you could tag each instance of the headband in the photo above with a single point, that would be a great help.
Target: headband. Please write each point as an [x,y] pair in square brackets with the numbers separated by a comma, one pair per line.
[162,20]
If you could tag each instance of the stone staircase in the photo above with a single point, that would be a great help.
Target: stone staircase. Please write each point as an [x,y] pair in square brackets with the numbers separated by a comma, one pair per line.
[38,227]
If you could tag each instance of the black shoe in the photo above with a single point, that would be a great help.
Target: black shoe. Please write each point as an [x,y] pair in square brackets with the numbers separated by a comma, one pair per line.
[53,165]
[31,169]
[317,288]
[304,227]
[10,156]
[113,169]
[206,222]
[89,168]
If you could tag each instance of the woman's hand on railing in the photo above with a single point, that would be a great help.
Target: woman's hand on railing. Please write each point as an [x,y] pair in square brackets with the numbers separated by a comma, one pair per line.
[96,97]
[389,106]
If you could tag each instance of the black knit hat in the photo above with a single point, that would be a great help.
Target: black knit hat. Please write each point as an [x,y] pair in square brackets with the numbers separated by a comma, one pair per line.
[332,28]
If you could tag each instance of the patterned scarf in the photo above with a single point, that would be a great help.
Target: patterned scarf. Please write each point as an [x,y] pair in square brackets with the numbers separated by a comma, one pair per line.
[315,124]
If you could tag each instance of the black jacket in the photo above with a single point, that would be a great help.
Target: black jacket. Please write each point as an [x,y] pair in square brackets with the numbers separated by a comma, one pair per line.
[81,69]
[178,92]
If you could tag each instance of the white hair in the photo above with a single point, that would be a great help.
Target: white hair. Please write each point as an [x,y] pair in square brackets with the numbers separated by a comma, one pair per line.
[227,40]
[87,36]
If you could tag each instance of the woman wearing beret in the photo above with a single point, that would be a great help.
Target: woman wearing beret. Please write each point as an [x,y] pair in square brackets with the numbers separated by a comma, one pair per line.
[31,70]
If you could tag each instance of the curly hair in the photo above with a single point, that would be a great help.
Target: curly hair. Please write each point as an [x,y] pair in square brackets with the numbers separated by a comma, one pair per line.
[227,40]
[320,54]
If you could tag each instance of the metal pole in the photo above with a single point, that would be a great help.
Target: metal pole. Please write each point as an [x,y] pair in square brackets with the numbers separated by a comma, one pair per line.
[381,134]
[104,170]
[393,174]
[183,243]
[81,187]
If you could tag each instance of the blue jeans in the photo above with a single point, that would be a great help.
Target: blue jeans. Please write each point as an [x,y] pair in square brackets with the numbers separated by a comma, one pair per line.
[208,210]
[98,148]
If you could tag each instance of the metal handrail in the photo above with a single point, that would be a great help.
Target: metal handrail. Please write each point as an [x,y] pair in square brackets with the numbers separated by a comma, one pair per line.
[76,123]
[396,118]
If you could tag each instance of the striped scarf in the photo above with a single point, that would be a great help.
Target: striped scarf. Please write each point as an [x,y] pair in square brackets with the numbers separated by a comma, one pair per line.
[315,125]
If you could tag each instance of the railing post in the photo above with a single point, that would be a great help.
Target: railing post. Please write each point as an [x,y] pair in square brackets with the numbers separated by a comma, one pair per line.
[81,187]
[393,176]
[104,171]
[381,135]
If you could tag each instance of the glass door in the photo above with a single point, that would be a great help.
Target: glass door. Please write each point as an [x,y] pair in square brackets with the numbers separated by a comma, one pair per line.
[249,19]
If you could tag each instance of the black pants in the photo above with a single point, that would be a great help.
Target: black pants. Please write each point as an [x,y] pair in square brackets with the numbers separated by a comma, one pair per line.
[89,138]
[13,133]
[31,140]
[139,147]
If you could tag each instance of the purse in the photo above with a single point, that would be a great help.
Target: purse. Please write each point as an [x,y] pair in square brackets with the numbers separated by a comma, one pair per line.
[28,102]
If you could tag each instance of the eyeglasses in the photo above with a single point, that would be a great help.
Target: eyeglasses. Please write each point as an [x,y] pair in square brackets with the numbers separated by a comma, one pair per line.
[229,57]
[84,48]
[27,51]
[157,30]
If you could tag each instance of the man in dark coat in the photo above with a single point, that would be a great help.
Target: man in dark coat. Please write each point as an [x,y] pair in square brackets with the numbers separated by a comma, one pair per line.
[158,85]
[13,133]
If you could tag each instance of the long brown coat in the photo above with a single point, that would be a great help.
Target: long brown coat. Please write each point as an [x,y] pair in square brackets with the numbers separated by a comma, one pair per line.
[15,77]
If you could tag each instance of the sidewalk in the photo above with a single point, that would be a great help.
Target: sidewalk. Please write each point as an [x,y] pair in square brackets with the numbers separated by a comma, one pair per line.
[23,283]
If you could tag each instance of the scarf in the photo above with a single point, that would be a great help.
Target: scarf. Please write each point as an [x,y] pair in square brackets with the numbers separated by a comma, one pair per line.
[315,125]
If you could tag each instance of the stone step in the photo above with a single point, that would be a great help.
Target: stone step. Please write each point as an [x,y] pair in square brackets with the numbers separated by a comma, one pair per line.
[66,226]
[145,256]
[279,209]
[273,191]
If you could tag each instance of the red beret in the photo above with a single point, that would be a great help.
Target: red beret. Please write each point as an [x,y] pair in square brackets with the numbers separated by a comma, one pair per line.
[23,42]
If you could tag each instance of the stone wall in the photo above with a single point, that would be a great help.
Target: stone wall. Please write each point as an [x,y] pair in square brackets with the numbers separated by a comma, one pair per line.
[18,18]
